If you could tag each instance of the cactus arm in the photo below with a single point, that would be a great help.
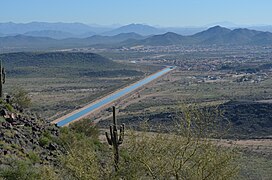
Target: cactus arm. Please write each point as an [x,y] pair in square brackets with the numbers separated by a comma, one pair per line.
[108,138]
[114,119]
[4,75]
[120,140]
[121,136]
[112,135]
[1,79]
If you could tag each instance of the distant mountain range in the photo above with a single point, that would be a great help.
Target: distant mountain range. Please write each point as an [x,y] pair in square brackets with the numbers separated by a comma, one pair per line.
[52,34]
[61,30]
[23,42]
[213,36]
[73,30]
[22,28]
[216,35]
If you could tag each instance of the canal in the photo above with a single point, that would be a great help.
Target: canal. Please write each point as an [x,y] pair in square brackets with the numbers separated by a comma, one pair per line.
[109,99]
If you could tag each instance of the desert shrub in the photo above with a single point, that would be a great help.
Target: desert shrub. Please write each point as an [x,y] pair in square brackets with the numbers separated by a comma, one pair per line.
[19,170]
[47,134]
[81,163]
[187,152]
[44,141]
[25,170]
[85,158]
[83,126]
[9,107]
[20,97]
[2,119]
[33,157]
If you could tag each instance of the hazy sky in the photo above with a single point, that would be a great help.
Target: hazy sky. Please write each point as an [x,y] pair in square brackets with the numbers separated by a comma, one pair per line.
[153,12]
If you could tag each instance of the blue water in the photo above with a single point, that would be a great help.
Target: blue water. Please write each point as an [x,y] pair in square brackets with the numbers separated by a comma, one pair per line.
[113,97]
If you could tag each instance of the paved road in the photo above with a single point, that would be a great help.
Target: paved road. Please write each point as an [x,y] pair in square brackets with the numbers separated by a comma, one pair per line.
[85,111]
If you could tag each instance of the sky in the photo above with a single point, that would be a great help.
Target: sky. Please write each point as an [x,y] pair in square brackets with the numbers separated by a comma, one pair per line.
[174,13]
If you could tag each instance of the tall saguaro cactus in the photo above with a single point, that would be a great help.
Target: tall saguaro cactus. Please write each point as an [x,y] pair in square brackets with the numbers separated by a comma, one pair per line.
[114,139]
[2,78]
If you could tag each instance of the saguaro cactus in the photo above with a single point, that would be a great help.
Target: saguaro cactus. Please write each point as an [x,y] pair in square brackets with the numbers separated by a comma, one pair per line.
[114,140]
[2,78]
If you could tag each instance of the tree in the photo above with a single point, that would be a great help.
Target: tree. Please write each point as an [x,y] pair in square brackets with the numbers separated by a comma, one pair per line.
[185,153]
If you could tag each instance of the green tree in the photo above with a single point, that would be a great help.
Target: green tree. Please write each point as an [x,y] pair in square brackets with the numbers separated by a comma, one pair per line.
[187,152]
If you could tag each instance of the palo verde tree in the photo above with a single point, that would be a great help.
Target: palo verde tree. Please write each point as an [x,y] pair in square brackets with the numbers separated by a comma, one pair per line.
[186,152]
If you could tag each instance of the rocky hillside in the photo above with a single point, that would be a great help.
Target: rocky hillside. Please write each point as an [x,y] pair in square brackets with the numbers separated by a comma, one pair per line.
[23,136]
[249,119]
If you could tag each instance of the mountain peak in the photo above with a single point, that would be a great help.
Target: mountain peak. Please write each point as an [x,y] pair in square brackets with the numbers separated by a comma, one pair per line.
[141,29]
[218,29]
[223,23]
[171,34]
[136,24]
[215,31]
